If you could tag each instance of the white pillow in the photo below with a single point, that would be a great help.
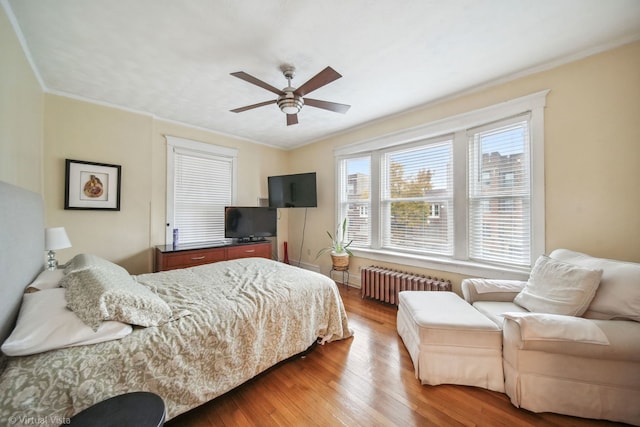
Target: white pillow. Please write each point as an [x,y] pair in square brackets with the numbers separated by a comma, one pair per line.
[556,287]
[48,279]
[618,296]
[44,323]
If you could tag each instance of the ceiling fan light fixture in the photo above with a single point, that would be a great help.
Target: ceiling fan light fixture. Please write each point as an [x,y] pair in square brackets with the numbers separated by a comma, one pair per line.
[290,103]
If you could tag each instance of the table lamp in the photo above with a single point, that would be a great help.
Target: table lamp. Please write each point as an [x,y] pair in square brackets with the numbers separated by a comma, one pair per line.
[55,238]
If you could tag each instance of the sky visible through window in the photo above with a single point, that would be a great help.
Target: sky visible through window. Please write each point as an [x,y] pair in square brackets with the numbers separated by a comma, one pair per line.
[360,165]
[505,141]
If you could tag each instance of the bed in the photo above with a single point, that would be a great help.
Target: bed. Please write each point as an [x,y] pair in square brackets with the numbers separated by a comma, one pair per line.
[227,322]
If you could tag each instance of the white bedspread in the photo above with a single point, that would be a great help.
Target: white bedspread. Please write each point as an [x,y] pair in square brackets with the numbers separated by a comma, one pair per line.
[244,316]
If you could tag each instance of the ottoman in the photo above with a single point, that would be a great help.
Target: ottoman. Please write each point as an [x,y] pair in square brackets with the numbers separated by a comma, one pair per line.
[449,341]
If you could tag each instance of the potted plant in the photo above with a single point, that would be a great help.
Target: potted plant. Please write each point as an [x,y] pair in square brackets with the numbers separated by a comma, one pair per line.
[339,250]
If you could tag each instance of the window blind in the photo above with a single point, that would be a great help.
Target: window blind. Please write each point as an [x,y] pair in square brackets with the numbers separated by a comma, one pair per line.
[202,188]
[416,199]
[355,200]
[500,193]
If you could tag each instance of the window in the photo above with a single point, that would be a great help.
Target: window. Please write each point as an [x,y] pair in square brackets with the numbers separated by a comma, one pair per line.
[464,194]
[434,210]
[355,198]
[200,183]
[415,178]
[499,209]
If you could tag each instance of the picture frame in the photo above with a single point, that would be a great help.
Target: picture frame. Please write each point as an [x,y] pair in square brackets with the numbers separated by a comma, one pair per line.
[90,185]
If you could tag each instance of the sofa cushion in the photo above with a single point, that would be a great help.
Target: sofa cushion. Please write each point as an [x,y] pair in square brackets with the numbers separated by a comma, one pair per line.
[556,327]
[494,310]
[557,287]
[443,318]
[618,296]
[623,337]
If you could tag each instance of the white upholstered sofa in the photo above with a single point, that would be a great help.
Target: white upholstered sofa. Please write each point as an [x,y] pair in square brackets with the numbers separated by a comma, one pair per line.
[570,335]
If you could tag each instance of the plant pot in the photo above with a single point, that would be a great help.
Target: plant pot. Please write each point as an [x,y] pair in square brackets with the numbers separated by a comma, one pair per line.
[340,261]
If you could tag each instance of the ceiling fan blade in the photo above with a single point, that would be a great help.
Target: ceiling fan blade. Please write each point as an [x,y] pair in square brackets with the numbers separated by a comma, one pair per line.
[292,119]
[249,78]
[324,77]
[250,107]
[326,105]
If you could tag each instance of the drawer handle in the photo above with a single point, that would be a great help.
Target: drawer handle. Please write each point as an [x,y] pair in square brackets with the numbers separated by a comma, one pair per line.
[249,251]
[196,258]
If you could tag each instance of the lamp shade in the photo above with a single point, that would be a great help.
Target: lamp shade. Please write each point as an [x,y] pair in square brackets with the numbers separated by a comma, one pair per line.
[56,238]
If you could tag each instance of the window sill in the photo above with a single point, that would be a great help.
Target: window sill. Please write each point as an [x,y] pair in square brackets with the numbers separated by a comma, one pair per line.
[468,268]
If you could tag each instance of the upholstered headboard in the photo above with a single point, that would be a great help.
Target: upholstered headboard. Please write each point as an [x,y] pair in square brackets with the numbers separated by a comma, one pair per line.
[21,249]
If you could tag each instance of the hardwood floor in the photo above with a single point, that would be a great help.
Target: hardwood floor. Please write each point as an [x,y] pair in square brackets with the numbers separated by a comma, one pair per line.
[366,380]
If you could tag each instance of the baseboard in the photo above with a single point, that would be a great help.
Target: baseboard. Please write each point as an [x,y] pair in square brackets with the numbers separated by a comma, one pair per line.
[354,281]
[306,266]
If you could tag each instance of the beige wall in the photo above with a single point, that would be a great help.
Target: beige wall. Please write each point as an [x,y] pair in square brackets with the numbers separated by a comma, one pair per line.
[83,131]
[592,157]
[21,114]
[88,132]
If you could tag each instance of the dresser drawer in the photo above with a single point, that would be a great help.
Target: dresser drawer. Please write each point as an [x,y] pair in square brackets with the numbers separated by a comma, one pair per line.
[168,259]
[262,250]
[192,258]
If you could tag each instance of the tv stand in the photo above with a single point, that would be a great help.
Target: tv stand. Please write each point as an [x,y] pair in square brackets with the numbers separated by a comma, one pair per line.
[243,240]
[169,257]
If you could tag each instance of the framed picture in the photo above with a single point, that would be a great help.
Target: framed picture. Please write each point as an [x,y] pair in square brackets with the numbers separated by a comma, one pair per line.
[91,185]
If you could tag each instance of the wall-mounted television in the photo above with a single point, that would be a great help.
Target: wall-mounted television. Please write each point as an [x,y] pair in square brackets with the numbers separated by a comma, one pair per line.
[250,223]
[293,191]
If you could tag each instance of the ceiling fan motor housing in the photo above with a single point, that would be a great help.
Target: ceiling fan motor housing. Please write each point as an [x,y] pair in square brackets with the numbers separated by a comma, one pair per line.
[289,102]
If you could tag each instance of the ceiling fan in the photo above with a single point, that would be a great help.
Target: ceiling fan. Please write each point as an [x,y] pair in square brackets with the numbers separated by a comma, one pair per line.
[290,100]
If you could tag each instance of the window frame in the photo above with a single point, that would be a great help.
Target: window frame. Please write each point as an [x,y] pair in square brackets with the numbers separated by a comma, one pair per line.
[193,147]
[458,126]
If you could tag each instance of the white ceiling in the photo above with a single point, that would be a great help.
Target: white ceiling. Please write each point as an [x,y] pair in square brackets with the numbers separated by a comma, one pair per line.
[172,58]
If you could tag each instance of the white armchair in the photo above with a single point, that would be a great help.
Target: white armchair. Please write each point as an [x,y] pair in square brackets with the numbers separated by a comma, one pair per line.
[585,363]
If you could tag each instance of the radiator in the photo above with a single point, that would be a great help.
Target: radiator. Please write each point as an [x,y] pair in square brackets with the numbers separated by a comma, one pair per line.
[384,284]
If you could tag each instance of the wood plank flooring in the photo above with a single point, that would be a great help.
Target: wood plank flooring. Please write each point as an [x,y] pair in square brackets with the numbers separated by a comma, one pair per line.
[366,380]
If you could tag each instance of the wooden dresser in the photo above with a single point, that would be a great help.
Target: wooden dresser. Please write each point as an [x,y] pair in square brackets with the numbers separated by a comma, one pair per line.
[169,257]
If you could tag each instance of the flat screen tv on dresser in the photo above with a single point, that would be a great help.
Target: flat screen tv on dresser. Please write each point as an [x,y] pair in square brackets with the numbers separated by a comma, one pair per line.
[249,223]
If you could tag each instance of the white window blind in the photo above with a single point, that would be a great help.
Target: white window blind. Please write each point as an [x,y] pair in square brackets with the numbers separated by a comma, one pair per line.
[416,198]
[500,193]
[355,199]
[202,183]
